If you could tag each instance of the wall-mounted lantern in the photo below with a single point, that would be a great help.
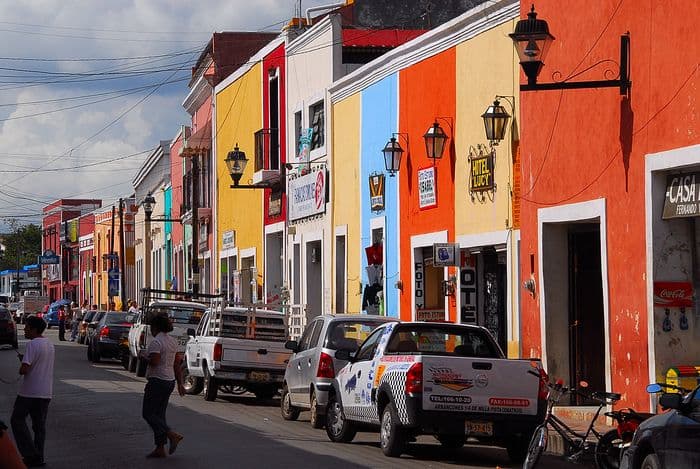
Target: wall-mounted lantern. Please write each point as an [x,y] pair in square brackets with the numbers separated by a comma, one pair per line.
[236,163]
[495,122]
[435,139]
[393,152]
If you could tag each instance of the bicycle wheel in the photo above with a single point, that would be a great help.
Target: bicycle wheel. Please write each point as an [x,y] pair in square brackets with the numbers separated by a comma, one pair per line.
[607,451]
[538,443]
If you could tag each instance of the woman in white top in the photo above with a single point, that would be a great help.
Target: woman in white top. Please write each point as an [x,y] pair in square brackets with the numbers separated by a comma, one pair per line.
[163,372]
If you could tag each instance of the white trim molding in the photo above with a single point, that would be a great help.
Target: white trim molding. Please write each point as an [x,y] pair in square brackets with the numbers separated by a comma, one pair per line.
[419,241]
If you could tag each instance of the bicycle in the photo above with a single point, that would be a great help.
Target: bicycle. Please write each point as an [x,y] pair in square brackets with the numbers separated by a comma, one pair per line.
[577,445]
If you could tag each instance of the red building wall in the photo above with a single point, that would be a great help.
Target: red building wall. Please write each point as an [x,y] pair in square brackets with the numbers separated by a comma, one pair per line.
[580,145]
[276,59]
[425,95]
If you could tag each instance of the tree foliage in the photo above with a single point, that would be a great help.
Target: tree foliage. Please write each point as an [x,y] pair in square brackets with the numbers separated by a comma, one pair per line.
[24,240]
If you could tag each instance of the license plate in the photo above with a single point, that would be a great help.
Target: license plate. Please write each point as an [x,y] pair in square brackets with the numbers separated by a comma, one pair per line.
[259,376]
[182,340]
[478,428]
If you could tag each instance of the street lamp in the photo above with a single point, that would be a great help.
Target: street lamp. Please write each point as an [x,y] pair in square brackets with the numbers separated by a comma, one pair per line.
[148,203]
[435,139]
[236,163]
[392,156]
[495,122]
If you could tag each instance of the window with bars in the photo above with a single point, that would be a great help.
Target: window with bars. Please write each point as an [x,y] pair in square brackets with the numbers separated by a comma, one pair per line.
[316,123]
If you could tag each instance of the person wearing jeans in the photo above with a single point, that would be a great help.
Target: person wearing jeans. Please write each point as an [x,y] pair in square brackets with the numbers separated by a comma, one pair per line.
[34,394]
[163,373]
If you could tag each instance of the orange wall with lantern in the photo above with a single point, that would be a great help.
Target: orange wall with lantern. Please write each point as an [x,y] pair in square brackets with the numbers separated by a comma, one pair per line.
[427,93]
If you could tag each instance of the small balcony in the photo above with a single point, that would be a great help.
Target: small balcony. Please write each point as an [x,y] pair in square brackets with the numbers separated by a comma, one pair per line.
[267,157]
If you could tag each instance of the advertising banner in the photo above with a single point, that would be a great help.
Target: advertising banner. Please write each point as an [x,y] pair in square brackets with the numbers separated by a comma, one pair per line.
[673,294]
[427,195]
[307,195]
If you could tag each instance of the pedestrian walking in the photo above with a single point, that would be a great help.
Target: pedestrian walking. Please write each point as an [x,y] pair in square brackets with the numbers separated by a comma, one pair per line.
[34,394]
[62,324]
[75,322]
[163,373]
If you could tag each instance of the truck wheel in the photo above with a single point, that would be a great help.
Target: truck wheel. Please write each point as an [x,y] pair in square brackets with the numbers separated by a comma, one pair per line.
[651,462]
[391,435]
[193,384]
[211,388]
[132,363]
[141,366]
[517,449]
[289,412]
[451,441]
[317,420]
[338,428]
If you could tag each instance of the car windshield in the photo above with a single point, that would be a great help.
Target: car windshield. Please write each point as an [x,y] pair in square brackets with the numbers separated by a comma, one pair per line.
[117,318]
[348,335]
[178,314]
[98,315]
[442,339]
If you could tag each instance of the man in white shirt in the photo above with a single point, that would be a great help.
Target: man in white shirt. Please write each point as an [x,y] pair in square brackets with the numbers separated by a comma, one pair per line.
[34,394]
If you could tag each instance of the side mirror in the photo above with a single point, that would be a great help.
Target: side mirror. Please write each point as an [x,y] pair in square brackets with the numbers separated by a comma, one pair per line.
[671,400]
[190,332]
[654,388]
[291,345]
[345,355]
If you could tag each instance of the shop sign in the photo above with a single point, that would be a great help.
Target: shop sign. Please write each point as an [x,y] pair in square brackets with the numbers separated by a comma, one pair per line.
[427,196]
[673,294]
[682,196]
[376,192]
[228,240]
[467,288]
[419,285]
[481,178]
[445,254]
[307,195]
[48,257]
[430,315]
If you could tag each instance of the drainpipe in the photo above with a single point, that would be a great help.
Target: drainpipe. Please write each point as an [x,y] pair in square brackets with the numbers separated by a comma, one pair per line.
[321,8]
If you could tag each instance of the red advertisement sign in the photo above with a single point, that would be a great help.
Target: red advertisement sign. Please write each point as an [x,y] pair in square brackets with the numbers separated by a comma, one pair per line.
[673,294]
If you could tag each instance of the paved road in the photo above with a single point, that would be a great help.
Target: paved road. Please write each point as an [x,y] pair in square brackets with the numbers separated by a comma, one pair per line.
[95,419]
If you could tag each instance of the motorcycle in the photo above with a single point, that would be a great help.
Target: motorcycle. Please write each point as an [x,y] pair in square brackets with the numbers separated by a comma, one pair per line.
[612,444]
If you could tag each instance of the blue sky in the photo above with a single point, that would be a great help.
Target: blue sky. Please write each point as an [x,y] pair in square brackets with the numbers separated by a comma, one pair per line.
[87,88]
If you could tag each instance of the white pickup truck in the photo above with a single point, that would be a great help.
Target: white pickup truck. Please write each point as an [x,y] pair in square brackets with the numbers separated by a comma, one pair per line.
[182,313]
[237,349]
[450,381]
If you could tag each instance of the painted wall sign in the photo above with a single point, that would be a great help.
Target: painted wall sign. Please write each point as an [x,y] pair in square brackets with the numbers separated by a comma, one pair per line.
[673,294]
[682,196]
[430,315]
[467,288]
[228,240]
[481,174]
[376,192]
[419,285]
[307,195]
[445,254]
[427,195]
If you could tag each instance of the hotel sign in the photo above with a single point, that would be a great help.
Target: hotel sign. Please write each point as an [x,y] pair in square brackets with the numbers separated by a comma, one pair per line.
[481,177]
[307,195]
[682,196]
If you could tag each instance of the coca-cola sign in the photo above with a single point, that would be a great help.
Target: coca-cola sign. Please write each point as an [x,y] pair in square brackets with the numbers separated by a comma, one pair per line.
[673,294]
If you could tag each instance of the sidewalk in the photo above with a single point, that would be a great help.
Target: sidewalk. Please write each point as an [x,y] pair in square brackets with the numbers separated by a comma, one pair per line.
[578,420]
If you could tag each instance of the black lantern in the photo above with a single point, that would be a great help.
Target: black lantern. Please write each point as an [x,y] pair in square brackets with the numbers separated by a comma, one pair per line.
[495,122]
[392,156]
[435,139]
[532,40]
[236,162]
[147,204]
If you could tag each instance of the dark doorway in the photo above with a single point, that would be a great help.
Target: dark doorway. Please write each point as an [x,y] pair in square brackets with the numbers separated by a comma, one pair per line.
[495,295]
[586,318]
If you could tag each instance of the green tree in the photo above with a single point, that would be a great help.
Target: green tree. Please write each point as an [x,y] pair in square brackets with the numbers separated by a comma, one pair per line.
[22,240]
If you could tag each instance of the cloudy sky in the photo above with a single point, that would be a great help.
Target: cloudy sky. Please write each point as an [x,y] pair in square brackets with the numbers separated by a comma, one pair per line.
[88,87]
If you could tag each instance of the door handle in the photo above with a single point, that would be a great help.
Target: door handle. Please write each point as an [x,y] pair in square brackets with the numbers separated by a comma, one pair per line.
[482,365]
[309,363]
[299,366]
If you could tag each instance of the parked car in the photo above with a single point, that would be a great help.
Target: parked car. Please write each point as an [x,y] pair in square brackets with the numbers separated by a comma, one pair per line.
[82,328]
[313,365]
[668,440]
[111,337]
[92,326]
[8,329]
[447,380]
[51,317]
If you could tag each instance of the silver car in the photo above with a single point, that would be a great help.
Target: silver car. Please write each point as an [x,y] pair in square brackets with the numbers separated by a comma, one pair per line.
[312,366]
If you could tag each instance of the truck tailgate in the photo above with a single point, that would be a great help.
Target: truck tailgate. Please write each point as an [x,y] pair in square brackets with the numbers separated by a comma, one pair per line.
[480,385]
[254,354]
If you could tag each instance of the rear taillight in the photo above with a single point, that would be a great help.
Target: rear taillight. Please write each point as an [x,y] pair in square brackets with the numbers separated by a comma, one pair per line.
[325,367]
[218,350]
[142,338]
[104,332]
[414,379]
[543,390]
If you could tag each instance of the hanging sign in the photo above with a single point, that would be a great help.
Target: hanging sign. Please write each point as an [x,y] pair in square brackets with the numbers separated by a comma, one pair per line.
[682,196]
[427,196]
[376,192]
[673,294]
[445,254]
[481,174]
[307,195]
[48,257]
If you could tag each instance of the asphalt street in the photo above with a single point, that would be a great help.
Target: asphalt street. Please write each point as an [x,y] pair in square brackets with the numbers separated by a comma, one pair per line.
[95,418]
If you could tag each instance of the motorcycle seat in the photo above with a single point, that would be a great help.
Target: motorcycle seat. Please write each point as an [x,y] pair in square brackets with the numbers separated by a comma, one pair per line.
[607,396]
